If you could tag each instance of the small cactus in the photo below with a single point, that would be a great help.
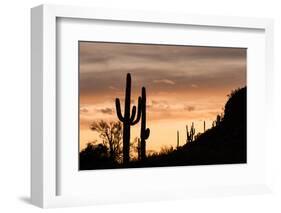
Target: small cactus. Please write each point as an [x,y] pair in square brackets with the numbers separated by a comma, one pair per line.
[218,121]
[190,134]
[178,139]
[204,128]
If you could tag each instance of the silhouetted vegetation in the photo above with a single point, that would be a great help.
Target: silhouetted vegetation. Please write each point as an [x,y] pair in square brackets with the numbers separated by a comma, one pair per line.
[190,135]
[95,157]
[111,135]
[223,143]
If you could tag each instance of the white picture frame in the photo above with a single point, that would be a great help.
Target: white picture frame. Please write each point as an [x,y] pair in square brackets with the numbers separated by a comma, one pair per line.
[44,154]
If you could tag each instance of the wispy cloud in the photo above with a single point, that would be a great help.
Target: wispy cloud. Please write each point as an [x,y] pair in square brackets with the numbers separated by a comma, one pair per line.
[106,110]
[189,108]
[164,81]
[113,88]
[194,85]
[84,110]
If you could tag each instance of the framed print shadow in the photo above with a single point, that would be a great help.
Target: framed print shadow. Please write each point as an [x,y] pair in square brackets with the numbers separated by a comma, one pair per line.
[148,105]
[170,104]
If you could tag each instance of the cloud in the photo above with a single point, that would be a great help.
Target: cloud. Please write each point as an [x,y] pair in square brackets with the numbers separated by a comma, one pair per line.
[113,88]
[181,75]
[189,108]
[83,110]
[159,105]
[106,53]
[194,85]
[164,81]
[106,110]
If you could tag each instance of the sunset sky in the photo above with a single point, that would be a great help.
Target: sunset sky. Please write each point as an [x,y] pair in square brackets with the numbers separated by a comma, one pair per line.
[184,84]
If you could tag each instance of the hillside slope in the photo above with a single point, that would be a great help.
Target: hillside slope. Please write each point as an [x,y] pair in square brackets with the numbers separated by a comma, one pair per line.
[222,144]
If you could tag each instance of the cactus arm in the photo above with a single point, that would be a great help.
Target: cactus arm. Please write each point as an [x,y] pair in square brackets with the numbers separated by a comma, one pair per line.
[147,133]
[139,112]
[133,114]
[118,110]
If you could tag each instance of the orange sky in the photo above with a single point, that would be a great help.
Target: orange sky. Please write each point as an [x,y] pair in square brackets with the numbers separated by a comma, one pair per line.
[184,84]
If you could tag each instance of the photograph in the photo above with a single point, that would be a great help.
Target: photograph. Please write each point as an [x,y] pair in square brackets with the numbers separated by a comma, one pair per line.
[159,105]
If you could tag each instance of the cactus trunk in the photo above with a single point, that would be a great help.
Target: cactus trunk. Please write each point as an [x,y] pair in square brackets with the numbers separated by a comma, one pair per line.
[144,134]
[126,143]
[143,150]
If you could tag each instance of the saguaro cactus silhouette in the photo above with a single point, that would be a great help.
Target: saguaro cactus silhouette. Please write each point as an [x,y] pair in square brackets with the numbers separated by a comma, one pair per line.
[204,126]
[128,119]
[178,139]
[144,132]
[190,134]
[218,120]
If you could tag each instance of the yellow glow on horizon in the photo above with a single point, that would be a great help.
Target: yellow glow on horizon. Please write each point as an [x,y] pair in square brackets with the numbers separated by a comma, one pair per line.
[163,133]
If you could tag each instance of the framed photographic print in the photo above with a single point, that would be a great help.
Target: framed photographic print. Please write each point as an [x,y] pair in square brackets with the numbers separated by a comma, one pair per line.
[183,105]
[149,106]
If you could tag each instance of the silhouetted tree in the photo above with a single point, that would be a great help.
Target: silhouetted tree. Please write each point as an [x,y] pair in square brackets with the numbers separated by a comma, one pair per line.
[111,135]
[94,156]
[138,149]
[134,146]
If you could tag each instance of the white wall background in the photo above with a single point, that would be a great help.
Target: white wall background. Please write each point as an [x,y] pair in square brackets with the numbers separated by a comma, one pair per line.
[15,103]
